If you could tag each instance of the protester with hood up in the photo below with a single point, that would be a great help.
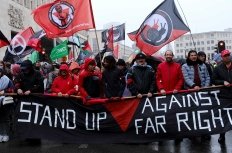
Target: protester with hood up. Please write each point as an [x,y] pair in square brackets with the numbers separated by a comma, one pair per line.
[75,69]
[141,77]
[29,79]
[6,85]
[63,85]
[111,78]
[90,80]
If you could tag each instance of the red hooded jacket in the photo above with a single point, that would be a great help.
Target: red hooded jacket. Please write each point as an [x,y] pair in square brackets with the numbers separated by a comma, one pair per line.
[64,85]
[85,73]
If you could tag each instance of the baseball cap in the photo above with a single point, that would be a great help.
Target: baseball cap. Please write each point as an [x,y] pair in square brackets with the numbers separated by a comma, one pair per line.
[225,52]
[140,56]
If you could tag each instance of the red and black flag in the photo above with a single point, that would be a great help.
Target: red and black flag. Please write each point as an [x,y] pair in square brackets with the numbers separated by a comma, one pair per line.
[18,46]
[35,40]
[162,25]
[3,40]
[63,18]
[118,32]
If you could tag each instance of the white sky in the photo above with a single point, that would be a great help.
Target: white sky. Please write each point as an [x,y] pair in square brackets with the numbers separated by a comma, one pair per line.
[202,15]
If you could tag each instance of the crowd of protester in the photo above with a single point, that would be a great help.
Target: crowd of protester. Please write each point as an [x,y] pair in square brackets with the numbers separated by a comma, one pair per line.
[113,80]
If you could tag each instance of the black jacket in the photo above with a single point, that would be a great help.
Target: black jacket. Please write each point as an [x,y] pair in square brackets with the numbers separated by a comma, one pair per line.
[141,79]
[112,83]
[32,81]
[220,74]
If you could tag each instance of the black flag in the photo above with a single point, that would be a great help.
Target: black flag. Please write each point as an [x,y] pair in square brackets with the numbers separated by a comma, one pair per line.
[118,33]
[162,26]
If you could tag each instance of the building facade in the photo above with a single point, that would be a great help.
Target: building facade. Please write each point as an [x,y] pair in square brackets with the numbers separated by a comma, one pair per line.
[206,42]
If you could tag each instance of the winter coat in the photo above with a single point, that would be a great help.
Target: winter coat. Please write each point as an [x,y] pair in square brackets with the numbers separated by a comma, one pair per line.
[89,82]
[188,73]
[64,85]
[220,74]
[169,76]
[141,79]
[112,84]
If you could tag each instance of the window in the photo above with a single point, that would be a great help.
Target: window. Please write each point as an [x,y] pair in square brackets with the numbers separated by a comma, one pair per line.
[212,41]
[202,42]
[198,43]
[208,48]
[177,45]
[186,44]
[208,42]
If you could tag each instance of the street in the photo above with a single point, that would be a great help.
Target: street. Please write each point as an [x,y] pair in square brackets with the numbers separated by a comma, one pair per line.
[186,146]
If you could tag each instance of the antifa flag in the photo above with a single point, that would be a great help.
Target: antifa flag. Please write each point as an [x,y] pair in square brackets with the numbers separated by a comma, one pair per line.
[162,26]
[3,40]
[118,33]
[110,39]
[63,18]
[128,120]
[35,40]
[18,46]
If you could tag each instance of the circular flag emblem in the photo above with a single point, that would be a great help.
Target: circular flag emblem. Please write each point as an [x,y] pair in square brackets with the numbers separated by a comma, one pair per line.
[157,28]
[61,14]
[17,45]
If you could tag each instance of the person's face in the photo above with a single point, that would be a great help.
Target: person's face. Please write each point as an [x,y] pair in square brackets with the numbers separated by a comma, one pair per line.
[1,65]
[106,64]
[75,71]
[202,58]
[226,59]
[141,61]
[168,56]
[91,67]
[120,67]
[193,56]
[63,73]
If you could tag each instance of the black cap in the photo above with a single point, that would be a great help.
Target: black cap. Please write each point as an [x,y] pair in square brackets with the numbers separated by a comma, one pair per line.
[140,56]
[121,62]
[26,64]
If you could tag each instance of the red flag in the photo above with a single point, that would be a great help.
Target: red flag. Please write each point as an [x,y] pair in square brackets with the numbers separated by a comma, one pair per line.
[87,46]
[116,51]
[162,26]
[111,39]
[19,43]
[63,18]
[35,40]
[3,40]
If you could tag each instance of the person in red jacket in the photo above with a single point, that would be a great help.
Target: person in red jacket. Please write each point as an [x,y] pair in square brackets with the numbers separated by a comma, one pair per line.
[64,84]
[169,77]
[90,80]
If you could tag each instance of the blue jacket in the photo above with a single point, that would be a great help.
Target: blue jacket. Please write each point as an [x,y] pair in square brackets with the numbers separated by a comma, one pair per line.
[188,73]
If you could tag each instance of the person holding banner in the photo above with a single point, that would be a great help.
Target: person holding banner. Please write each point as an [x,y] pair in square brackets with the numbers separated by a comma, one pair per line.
[29,79]
[6,85]
[222,75]
[169,77]
[90,80]
[195,75]
[141,77]
[64,84]
[111,78]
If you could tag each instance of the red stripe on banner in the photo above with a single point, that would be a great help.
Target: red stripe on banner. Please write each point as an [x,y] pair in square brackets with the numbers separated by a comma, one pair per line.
[123,111]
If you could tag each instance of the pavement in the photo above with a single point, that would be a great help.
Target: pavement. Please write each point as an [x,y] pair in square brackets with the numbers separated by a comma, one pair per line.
[169,146]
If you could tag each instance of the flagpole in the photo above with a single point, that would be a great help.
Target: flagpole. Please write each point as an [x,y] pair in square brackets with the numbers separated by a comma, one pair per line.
[98,47]
[188,26]
[124,48]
